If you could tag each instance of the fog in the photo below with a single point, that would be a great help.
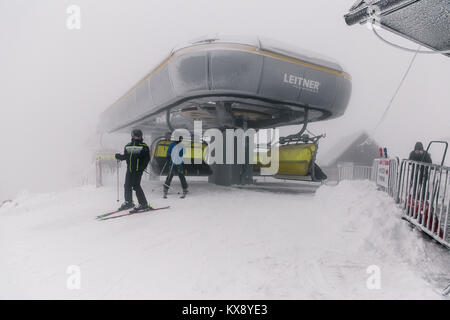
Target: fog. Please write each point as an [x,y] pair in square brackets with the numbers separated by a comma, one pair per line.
[54,82]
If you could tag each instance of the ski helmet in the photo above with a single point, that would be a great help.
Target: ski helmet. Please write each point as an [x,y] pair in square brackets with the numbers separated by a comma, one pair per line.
[418,146]
[176,139]
[136,133]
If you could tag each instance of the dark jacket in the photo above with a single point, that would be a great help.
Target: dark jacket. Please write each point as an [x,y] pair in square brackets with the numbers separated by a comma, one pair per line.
[421,157]
[169,152]
[137,155]
[418,154]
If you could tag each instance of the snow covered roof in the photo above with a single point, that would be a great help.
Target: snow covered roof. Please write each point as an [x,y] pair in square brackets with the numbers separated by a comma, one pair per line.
[423,21]
[331,156]
[268,44]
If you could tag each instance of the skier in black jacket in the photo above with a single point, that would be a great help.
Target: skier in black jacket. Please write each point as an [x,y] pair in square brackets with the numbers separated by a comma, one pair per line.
[418,154]
[421,173]
[137,155]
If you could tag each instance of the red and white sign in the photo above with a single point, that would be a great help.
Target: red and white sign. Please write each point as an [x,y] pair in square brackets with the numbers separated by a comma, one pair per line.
[383,173]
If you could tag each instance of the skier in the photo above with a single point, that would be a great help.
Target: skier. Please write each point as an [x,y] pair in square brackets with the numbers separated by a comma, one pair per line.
[418,154]
[421,174]
[137,155]
[176,167]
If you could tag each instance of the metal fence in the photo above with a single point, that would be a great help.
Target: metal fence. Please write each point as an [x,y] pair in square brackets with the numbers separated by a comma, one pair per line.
[104,163]
[351,172]
[424,195]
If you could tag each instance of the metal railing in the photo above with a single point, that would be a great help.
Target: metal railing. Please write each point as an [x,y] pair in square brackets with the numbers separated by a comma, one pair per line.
[347,172]
[105,163]
[387,181]
[423,193]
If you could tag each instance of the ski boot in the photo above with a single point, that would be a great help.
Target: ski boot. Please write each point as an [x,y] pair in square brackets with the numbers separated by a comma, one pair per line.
[126,205]
[141,207]
[165,190]
[185,191]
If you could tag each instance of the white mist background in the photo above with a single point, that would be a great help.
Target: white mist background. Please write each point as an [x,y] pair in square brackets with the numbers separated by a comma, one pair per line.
[55,82]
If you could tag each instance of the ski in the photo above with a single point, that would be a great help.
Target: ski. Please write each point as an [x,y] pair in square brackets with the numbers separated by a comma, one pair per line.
[112,212]
[108,214]
[134,212]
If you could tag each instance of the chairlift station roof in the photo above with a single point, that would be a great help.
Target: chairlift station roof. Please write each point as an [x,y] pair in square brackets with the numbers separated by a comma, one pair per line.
[232,83]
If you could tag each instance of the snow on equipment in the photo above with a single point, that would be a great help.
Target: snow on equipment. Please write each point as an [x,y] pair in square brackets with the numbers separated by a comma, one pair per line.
[234,83]
[422,21]
[228,81]
[297,158]
[446,290]
[104,163]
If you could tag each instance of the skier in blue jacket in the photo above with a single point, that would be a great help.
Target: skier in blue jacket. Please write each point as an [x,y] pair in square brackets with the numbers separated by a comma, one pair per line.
[175,166]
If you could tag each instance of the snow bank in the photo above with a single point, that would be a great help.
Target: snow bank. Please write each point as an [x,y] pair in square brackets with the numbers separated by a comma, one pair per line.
[218,243]
[372,232]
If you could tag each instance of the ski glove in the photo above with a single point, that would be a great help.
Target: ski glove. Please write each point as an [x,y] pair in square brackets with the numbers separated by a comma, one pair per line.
[118,156]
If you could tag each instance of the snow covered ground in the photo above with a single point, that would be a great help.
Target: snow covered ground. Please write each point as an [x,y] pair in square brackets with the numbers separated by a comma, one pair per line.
[218,243]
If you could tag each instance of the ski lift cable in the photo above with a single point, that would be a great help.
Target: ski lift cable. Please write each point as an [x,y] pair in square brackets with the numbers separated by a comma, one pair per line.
[396,91]
[416,52]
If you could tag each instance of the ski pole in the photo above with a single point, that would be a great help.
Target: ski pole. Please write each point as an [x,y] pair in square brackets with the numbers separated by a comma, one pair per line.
[117,180]
[170,172]
[163,168]
[160,172]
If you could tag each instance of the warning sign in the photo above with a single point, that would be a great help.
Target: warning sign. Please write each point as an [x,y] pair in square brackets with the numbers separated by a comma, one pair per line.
[383,173]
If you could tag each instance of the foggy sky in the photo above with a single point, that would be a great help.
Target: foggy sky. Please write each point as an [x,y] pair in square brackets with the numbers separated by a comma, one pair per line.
[54,82]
